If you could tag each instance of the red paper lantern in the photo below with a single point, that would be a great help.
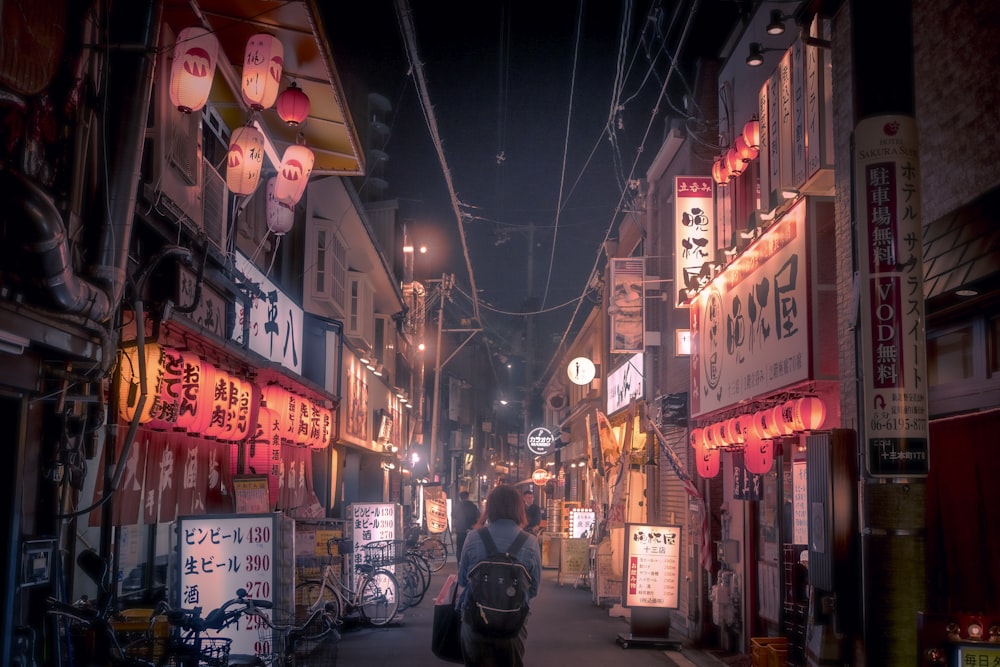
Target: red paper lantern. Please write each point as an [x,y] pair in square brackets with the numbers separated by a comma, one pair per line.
[708,437]
[763,424]
[196,53]
[293,105]
[191,401]
[758,455]
[695,437]
[708,463]
[224,391]
[263,62]
[720,174]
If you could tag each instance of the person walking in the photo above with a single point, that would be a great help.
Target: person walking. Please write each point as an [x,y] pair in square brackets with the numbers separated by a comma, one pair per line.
[504,518]
[464,515]
[533,512]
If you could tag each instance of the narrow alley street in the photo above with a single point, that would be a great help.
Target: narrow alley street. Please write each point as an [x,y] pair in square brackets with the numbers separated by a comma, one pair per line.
[565,628]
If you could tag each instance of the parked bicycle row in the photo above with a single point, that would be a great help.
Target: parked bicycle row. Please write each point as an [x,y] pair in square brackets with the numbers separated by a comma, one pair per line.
[383,578]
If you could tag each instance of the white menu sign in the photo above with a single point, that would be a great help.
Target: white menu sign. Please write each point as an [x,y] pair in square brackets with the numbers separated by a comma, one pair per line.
[218,555]
[652,566]
[582,523]
[371,522]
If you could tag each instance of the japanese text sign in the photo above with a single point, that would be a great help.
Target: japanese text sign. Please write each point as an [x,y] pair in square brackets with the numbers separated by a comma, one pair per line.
[652,566]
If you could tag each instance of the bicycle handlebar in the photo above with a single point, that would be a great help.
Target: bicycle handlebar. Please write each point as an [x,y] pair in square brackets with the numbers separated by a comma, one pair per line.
[338,541]
[217,619]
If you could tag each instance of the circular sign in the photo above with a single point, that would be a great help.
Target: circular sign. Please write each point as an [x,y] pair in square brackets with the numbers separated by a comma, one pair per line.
[540,441]
[540,477]
[581,370]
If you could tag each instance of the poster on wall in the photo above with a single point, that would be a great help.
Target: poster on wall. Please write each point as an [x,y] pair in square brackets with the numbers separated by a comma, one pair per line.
[652,566]
[217,555]
[627,305]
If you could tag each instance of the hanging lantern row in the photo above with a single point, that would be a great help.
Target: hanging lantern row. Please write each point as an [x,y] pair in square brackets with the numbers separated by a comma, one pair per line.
[743,151]
[195,57]
[185,392]
[753,433]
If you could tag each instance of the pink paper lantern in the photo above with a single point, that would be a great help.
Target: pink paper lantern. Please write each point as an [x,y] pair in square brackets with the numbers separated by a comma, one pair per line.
[193,391]
[695,437]
[196,53]
[784,421]
[809,413]
[280,217]
[246,158]
[263,62]
[763,424]
[293,174]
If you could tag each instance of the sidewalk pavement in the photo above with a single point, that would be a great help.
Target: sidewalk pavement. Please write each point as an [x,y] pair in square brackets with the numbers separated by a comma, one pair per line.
[565,627]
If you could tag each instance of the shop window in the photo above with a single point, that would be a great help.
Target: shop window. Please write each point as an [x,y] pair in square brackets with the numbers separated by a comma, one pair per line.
[950,356]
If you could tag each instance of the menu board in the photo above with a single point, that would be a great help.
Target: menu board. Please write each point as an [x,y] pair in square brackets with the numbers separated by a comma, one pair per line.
[582,522]
[371,522]
[652,566]
[251,492]
[218,555]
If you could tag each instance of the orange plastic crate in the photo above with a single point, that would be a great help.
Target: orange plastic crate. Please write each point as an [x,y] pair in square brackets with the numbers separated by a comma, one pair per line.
[759,656]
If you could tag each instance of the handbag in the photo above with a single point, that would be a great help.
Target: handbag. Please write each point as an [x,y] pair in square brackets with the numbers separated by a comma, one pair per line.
[446,635]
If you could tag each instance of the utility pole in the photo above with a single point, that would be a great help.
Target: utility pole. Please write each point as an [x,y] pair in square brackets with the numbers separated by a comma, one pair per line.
[447,282]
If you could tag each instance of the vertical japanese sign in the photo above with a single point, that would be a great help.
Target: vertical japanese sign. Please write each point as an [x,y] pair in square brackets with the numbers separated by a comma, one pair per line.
[275,321]
[893,340]
[627,304]
[652,566]
[694,234]
[218,555]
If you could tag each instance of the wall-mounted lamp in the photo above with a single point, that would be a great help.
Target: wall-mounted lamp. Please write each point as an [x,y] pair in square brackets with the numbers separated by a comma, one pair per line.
[756,57]
[378,370]
[776,26]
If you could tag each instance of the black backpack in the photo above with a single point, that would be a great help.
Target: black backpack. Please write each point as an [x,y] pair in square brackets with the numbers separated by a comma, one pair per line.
[497,601]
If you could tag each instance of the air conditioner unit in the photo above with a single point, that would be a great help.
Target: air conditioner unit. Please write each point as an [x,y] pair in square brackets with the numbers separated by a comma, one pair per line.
[172,150]
[216,208]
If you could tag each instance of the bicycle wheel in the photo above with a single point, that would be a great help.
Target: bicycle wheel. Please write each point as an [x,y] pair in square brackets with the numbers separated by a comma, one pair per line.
[411,584]
[312,596]
[379,597]
[435,551]
[421,565]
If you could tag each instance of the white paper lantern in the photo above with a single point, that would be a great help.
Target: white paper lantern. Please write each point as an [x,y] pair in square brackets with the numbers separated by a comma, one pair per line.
[263,62]
[246,157]
[279,217]
[196,53]
[293,174]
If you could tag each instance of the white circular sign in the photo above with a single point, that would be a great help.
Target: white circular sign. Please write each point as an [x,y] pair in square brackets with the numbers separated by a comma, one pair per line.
[581,370]
[540,441]
[540,477]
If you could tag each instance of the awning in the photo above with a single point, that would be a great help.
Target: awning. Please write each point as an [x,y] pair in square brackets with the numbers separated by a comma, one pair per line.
[329,130]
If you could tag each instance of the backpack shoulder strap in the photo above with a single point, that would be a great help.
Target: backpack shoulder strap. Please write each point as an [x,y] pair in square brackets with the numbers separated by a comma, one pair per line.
[484,535]
[515,547]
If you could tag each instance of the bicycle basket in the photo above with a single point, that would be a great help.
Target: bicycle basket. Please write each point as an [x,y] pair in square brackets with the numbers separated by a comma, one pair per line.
[175,652]
[383,553]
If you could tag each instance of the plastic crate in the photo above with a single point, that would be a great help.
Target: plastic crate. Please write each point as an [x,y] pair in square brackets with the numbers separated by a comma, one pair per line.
[759,656]
[777,655]
[134,624]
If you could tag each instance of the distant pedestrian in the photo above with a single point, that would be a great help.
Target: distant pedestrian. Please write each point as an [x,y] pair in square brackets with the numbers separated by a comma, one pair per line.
[533,512]
[504,518]
[464,516]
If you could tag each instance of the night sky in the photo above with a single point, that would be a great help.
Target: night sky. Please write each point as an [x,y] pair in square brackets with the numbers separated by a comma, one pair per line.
[500,78]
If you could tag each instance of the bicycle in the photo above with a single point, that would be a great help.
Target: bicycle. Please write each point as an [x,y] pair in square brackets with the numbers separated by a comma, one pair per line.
[284,643]
[433,547]
[188,646]
[375,600]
